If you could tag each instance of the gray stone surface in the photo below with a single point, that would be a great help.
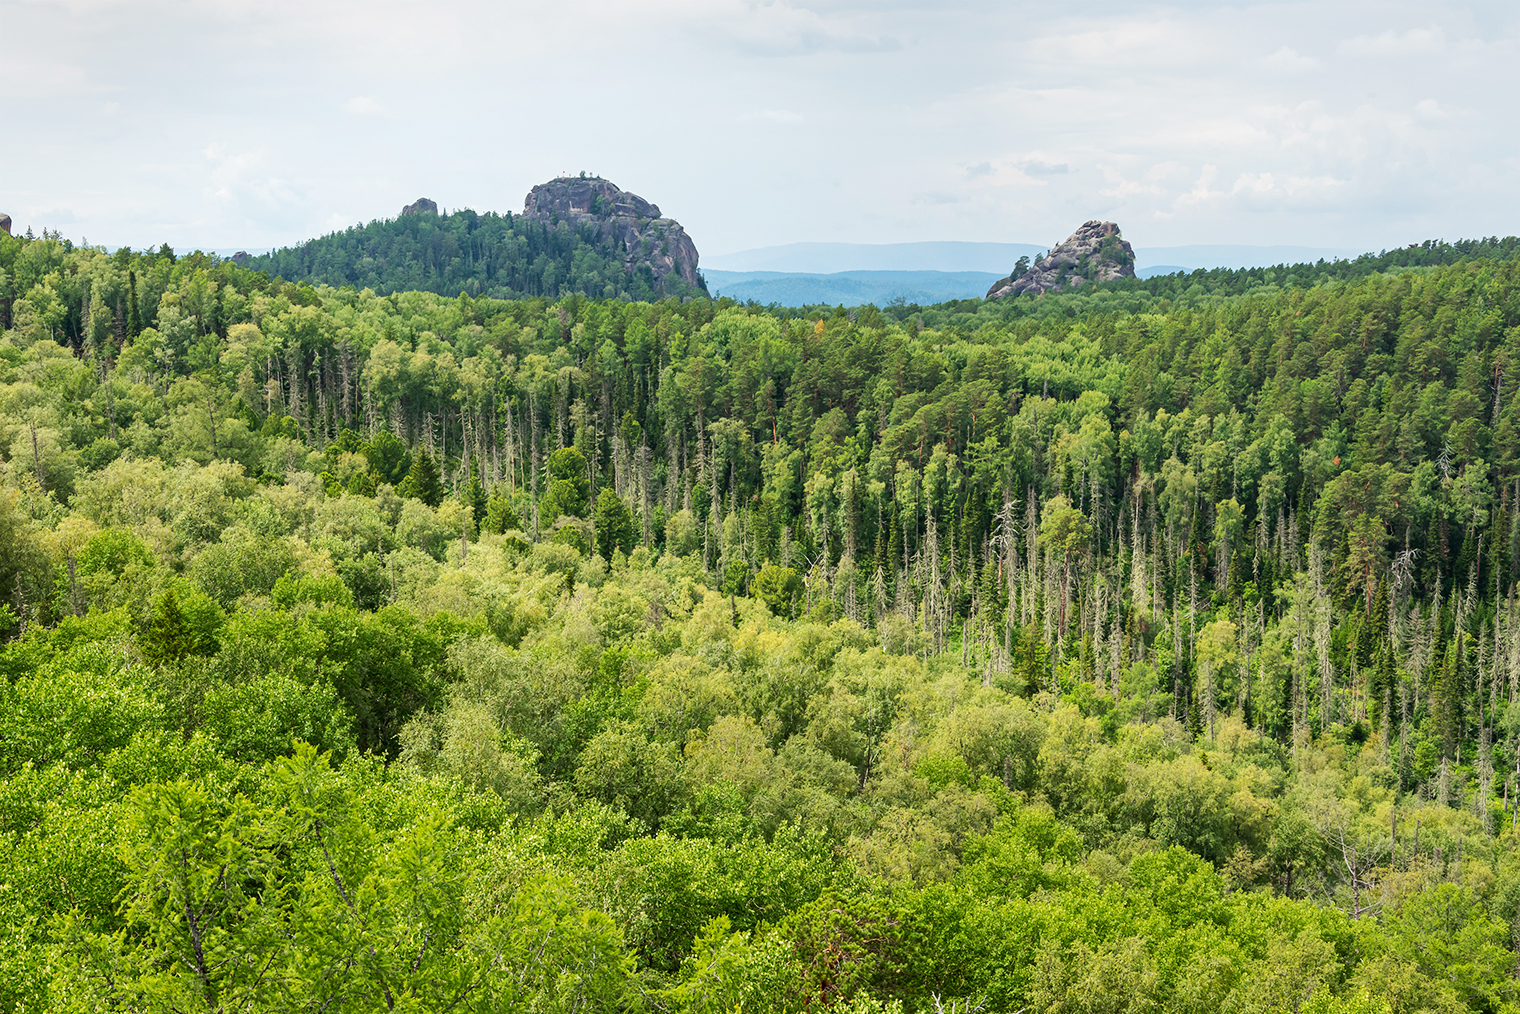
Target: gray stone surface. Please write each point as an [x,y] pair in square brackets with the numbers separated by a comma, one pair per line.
[422,206]
[646,237]
[1094,253]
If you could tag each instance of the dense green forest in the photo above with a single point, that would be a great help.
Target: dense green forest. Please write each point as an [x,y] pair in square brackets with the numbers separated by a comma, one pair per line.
[500,256]
[1147,648]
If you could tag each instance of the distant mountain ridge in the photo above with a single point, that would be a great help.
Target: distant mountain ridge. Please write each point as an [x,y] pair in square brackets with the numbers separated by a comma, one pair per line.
[999,258]
[832,258]
[850,288]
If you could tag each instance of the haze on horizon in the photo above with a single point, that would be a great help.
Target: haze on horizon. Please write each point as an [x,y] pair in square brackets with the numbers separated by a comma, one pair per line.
[218,125]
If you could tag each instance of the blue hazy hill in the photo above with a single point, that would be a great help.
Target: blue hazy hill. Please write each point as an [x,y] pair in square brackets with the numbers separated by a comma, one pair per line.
[851,288]
[836,258]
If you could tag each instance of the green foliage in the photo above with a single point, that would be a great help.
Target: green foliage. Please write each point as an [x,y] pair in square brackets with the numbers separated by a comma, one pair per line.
[387,457]
[779,588]
[622,768]
[614,525]
[501,517]
[178,629]
[569,489]
[421,482]
[474,495]
[570,534]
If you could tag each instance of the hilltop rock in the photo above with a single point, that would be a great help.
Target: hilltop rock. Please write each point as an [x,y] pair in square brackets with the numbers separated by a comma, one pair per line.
[1094,253]
[422,206]
[646,236]
[5,223]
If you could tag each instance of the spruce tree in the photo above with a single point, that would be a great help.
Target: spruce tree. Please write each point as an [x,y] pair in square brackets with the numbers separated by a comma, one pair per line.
[421,482]
[500,517]
[614,525]
[134,318]
[168,637]
[474,495]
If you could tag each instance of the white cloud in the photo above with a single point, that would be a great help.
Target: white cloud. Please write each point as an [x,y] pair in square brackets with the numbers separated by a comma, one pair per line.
[1120,186]
[883,120]
[1288,60]
[1411,42]
[1042,167]
[782,29]
[51,218]
[1431,109]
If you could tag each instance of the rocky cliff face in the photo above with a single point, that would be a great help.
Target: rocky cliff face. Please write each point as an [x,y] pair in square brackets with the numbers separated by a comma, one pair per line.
[5,223]
[421,206]
[646,237]
[1094,253]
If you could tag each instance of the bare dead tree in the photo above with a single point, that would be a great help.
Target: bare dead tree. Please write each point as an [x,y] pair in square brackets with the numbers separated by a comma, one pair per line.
[1362,854]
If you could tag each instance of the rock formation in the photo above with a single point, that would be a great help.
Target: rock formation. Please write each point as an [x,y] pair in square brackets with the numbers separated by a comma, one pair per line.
[1094,253]
[421,206]
[5,223]
[646,237]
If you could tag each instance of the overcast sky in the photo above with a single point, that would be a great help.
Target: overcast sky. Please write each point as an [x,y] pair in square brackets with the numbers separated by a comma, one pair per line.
[234,123]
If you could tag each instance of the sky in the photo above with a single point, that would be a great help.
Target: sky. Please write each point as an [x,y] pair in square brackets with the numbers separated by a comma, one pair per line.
[226,124]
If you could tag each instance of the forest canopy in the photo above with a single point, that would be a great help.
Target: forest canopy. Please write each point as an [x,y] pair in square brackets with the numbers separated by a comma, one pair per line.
[1149,647]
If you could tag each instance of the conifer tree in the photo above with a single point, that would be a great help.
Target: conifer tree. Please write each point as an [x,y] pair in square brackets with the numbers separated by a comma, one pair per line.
[474,494]
[168,637]
[500,516]
[421,482]
[134,317]
[614,525]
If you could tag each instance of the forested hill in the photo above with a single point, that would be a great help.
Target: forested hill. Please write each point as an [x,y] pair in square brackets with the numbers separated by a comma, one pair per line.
[1157,647]
[607,244]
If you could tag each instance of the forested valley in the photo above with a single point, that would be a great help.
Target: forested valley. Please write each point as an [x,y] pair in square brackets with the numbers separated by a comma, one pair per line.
[1152,647]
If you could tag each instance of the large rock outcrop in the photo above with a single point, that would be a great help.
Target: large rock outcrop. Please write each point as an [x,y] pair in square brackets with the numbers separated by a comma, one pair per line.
[1094,253]
[5,223]
[646,237]
[421,206]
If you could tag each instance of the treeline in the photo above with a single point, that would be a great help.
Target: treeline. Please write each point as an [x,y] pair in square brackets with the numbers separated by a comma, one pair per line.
[493,255]
[777,660]
[1200,287]
[1238,281]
